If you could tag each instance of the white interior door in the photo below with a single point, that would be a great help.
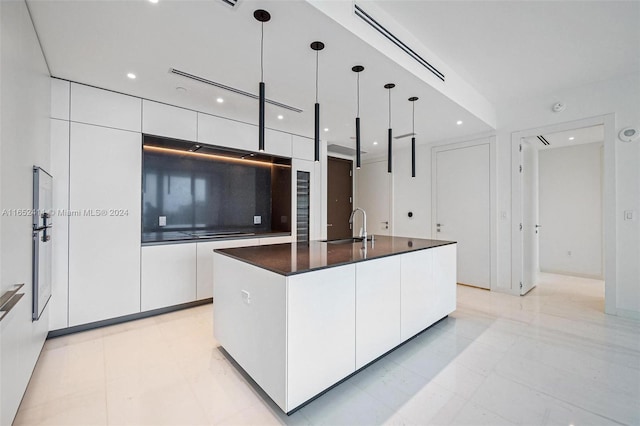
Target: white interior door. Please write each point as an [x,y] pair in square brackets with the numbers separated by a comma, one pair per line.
[373,189]
[462,208]
[530,241]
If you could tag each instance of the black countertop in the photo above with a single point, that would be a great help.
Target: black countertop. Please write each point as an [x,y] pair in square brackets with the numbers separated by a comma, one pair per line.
[296,258]
[173,237]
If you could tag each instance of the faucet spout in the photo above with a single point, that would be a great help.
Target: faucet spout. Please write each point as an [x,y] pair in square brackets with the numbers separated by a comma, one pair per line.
[363,234]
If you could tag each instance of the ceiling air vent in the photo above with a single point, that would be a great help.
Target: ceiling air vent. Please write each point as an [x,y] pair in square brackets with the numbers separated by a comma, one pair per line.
[544,140]
[232,89]
[360,13]
[232,3]
[339,149]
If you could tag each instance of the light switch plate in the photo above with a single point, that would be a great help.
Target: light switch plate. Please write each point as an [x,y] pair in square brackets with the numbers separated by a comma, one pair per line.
[162,221]
[257,220]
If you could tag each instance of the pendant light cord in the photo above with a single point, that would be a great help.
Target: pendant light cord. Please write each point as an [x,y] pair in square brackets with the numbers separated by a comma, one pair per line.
[317,59]
[262,52]
[358,96]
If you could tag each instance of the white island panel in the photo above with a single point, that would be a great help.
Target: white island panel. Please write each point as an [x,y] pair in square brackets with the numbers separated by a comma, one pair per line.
[321,331]
[377,308]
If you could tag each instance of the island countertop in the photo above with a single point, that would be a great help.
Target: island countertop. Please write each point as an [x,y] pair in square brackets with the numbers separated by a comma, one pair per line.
[296,258]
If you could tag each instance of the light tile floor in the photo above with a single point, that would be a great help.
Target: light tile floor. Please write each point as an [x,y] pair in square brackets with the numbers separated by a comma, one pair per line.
[551,357]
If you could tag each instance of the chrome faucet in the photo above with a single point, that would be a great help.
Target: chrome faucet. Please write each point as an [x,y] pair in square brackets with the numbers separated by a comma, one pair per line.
[363,233]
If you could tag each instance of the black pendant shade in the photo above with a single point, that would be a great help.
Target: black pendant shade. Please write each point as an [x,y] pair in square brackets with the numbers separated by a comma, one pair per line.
[358,69]
[390,86]
[317,46]
[262,16]
[413,100]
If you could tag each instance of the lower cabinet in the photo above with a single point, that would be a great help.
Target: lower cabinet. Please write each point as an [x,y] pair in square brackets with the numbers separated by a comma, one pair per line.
[168,275]
[377,308]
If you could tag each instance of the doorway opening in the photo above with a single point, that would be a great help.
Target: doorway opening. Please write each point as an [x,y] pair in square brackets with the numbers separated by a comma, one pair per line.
[339,197]
[559,204]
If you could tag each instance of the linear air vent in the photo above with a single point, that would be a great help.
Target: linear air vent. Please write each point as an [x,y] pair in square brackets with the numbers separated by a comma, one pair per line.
[232,3]
[231,89]
[544,141]
[360,13]
[344,150]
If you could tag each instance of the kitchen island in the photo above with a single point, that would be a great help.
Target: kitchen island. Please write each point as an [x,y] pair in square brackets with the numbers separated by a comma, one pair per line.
[301,317]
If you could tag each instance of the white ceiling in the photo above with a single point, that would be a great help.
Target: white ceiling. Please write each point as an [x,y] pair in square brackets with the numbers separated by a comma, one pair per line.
[99,42]
[569,138]
[512,50]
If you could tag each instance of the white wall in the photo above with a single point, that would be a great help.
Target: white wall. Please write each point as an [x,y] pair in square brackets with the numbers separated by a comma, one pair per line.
[570,205]
[24,142]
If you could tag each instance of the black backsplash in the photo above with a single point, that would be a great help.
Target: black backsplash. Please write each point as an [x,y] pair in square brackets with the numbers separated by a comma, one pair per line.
[203,193]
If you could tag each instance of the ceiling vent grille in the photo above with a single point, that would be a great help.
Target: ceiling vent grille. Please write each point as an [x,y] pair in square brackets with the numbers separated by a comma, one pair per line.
[231,3]
[360,13]
[544,140]
[344,150]
[232,89]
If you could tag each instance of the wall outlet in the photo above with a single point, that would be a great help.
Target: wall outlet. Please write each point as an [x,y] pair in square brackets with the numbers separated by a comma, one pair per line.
[162,221]
[257,220]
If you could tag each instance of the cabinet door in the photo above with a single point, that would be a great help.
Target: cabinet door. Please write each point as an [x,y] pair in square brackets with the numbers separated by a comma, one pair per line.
[204,288]
[168,275]
[377,308]
[419,292]
[321,331]
[222,132]
[277,143]
[104,229]
[444,273]
[303,148]
[105,108]
[169,121]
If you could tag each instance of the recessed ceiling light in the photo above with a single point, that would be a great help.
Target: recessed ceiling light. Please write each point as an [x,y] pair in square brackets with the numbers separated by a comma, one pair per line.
[280,117]
[571,138]
[220,100]
[326,129]
[131,75]
[153,1]
[459,122]
[375,142]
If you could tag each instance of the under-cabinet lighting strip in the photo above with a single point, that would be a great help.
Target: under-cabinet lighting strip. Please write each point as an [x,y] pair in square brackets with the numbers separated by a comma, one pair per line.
[211,156]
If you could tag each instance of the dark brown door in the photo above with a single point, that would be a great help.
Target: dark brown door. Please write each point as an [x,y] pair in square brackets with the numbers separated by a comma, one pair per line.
[339,198]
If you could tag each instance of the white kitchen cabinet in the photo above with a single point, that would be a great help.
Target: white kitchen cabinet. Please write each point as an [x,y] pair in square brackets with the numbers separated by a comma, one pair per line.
[321,331]
[105,108]
[169,121]
[418,293]
[168,275]
[265,241]
[204,288]
[59,307]
[377,308]
[104,229]
[60,95]
[303,148]
[277,143]
[228,133]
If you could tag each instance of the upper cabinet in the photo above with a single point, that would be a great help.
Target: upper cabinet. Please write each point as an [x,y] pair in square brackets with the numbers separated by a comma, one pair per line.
[169,121]
[60,91]
[222,132]
[276,143]
[303,148]
[105,108]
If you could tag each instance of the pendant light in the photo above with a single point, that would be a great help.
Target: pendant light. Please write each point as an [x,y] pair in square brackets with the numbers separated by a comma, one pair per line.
[358,69]
[413,100]
[262,16]
[389,86]
[317,46]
